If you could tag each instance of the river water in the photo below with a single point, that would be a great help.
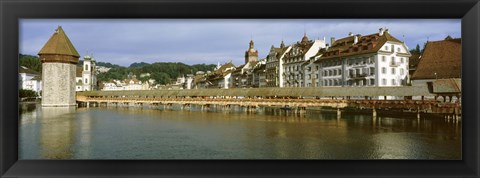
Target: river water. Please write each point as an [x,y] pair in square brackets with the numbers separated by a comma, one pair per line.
[149,133]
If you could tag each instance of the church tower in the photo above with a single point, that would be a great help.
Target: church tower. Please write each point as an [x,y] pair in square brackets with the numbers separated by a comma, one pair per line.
[89,73]
[251,55]
[59,59]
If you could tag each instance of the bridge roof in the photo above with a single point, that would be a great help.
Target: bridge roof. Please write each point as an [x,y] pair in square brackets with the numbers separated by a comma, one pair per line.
[295,92]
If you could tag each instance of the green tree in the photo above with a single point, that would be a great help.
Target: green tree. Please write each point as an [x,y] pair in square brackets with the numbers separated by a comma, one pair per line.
[31,62]
[24,93]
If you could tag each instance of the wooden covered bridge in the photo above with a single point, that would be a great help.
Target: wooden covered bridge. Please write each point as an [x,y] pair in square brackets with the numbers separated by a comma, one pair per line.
[411,98]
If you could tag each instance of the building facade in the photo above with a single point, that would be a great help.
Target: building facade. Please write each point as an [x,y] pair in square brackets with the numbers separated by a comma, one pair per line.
[373,60]
[29,79]
[300,52]
[274,65]
[89,74]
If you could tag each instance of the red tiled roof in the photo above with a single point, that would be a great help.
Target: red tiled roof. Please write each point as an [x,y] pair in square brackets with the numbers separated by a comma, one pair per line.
[440,57]
[365,44]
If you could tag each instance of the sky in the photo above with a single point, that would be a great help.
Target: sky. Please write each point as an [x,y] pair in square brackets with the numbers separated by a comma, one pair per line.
[212,41]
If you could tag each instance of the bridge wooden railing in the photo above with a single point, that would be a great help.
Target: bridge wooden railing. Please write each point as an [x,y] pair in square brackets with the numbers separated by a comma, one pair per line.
[423,105]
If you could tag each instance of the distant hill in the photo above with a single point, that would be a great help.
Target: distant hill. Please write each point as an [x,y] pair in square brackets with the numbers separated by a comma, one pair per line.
[162,72]
[107,64]
[140,64]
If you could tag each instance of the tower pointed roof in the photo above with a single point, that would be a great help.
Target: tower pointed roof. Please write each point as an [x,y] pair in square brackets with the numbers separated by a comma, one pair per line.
[305,38]
[59,44]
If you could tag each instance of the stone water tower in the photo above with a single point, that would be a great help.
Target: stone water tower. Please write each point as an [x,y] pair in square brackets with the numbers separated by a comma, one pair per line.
[59,59]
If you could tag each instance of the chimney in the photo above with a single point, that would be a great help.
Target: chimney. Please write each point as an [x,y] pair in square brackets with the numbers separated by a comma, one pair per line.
[355,39]
[350,33]
[332,40]
[326,47]
[380,31]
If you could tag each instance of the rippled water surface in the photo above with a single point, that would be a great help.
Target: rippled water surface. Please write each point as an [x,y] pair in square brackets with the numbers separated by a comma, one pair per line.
[144,133]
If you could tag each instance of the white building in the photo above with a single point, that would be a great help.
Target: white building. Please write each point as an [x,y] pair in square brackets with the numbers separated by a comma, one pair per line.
[86,76]
[378,59]
[29,79]
[102,69]
[293,73]
[274,66]
[128,84]
[89,74]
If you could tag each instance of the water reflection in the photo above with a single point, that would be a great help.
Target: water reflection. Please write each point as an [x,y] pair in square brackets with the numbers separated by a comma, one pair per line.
[57,132]
[142,133]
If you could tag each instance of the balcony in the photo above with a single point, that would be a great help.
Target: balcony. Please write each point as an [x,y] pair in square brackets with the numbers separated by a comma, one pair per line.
[394,64]
[358,76]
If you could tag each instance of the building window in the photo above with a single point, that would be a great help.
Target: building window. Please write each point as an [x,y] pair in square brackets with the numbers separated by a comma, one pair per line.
[393,60]
[335,72]
[394,82]
[393,71]
[86,67]
[372,81]
[339,72]
[383,58]
[86,80]
[401,71]
[393,48]
[386,48]
[384,81]
[398,50]
[384,70]
[401,60]
[372,71]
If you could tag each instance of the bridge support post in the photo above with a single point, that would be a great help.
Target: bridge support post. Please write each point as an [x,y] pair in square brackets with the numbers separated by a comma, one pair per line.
[339,113]
[418,112]
[374,112]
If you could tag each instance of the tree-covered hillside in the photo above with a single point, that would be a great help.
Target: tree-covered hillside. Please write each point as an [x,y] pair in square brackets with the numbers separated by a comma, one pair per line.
[162,72]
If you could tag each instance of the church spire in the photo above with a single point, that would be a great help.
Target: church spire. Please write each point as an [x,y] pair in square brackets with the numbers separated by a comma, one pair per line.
[252,45]
[305,38]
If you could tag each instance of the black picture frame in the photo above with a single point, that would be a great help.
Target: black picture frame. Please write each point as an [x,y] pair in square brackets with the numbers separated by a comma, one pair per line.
[11,11]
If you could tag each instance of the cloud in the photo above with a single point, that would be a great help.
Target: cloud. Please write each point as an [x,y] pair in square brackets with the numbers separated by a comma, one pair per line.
[212,40]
